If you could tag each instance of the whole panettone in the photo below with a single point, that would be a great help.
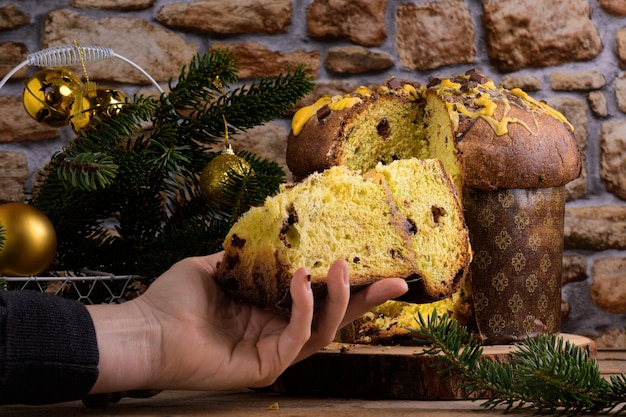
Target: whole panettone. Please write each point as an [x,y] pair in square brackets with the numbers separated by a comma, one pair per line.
[398,220]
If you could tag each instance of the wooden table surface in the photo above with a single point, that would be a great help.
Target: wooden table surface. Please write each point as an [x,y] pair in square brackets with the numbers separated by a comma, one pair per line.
[251,403]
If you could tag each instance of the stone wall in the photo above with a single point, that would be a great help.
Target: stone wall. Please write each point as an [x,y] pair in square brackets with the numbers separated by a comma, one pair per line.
[571,53]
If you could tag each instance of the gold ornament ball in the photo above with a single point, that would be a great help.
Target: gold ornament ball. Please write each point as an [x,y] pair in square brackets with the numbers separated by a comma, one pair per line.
[101,99]
[29,240]
[215,174]
[49,94]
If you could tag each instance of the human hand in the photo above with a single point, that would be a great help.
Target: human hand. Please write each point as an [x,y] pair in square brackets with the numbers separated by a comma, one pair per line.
[185,333]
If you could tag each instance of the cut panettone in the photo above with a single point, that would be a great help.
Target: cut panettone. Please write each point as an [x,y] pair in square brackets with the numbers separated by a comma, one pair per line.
[486,136]
[508,155]
[398,220]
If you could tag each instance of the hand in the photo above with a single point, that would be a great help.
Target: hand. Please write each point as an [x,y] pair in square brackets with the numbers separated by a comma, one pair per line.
[185,333]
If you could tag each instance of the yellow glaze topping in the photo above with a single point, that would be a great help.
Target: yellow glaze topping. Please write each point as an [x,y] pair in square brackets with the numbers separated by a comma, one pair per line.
[411,91]
[363,91]
[486,95]
[543,106]
[305,113]
[344,103]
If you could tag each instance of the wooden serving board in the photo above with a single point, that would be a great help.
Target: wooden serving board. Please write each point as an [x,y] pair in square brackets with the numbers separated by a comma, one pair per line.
[384,372]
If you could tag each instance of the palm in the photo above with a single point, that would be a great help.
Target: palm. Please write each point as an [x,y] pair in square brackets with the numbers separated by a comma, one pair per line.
[214,342]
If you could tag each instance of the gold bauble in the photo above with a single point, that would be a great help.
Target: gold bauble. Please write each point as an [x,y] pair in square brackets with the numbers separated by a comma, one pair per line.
[215,174]
[93,101]
[49,94]
[29,240]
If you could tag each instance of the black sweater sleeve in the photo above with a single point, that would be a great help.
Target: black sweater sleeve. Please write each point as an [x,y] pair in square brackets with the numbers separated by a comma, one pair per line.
[48,348]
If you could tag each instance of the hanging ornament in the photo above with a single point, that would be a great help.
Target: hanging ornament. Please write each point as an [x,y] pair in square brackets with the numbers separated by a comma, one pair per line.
[215,175]
[30,240]
[94,100]
[49,94]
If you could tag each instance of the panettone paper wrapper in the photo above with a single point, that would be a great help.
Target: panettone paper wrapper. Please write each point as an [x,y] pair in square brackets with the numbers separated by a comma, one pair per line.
[517,239]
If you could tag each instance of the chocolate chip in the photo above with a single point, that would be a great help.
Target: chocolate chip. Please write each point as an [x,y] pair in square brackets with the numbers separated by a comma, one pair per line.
[433,81]
[477,77]
[292,218]
[323,112]
[383,129]
[410,226]
[438,213]
[237,242]
[393,83]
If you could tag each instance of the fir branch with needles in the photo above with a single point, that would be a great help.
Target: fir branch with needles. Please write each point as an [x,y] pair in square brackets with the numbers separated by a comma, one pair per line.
[123,194]
[545,374]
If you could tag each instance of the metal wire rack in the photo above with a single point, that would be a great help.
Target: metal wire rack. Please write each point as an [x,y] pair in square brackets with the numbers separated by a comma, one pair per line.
[88,287]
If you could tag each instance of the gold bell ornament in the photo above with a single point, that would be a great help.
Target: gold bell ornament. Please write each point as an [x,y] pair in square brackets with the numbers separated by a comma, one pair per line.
[93,100]
[215,175]
[49,95]
[30,240]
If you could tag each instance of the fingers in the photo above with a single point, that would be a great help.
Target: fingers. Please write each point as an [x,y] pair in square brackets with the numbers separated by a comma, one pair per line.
[298,331]
[328,319]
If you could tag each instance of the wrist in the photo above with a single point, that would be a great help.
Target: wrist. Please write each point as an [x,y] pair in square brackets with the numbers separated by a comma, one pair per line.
[128,345]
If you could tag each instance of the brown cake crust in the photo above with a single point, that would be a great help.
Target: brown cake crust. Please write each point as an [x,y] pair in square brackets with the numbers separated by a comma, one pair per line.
[544,156]
[320,143]
[538,150]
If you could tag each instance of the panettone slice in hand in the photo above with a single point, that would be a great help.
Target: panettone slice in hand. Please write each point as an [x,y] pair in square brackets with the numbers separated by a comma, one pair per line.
[398,220]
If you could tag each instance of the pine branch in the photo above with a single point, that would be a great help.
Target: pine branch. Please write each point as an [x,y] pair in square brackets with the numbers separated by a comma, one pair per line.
[249,106]
[206,77]
[3,233]
[545,374]
[123,195]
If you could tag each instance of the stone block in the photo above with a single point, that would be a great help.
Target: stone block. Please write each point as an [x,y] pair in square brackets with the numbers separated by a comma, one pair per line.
[119,5]
[612,156]
[13,175]
[608,290]
[159,52]
[587,80]
[11,55]
[257,60]
[356,60]
[597,103]
[17,126]
[539,33]
[227,17]
[433,34]
[359,21]
[11,17]
[595,228]
[525,82]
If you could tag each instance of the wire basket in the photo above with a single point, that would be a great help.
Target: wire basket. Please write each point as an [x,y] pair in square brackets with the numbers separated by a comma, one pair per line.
[88,287]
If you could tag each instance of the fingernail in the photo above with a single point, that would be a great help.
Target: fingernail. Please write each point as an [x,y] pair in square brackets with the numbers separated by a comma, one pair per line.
[346,274]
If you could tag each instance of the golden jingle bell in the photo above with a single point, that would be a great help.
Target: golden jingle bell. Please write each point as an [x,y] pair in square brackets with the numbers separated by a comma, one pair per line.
[29,240]
[49,94]
[214,176]
[92,101]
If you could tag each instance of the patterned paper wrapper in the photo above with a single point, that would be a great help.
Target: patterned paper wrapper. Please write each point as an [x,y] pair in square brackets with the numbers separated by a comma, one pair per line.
[517,239]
